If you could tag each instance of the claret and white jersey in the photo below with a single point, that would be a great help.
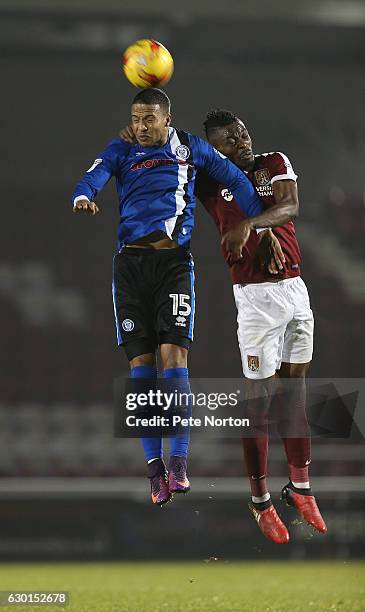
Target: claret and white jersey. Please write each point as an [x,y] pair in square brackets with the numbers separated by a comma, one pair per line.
[275,321]
[227,212]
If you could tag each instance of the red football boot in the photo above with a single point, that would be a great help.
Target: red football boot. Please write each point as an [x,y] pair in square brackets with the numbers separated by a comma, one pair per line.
[160,493]
[270,524]
[306,506]
[178,480]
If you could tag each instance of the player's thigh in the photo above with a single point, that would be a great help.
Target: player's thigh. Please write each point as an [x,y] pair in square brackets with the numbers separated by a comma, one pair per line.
[133,306]
[262,316]
[175,299]
[298,338]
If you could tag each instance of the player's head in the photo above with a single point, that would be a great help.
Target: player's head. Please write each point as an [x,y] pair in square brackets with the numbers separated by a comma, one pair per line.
[229,135]
[151,117]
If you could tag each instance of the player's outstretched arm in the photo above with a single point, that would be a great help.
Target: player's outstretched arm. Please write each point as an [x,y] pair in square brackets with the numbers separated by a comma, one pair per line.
[104,167]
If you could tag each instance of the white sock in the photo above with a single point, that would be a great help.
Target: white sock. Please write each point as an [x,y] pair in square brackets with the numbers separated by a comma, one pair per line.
[262,499]
[301,485]
[155,459]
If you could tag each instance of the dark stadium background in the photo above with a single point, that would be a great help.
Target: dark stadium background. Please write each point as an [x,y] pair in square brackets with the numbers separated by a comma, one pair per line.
[295,74]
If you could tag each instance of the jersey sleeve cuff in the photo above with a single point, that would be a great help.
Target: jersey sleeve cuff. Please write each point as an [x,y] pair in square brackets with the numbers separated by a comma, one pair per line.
[291,176]
[80,197]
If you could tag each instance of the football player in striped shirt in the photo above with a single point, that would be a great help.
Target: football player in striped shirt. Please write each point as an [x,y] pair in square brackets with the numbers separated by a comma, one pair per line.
[153,275]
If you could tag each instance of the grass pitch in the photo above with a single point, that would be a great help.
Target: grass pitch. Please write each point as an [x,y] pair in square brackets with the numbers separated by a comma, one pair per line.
[194,587]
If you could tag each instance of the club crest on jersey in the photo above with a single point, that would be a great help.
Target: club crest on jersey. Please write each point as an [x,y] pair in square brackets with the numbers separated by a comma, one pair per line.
[128,325]
[96,163]
[182,152]
[226,195]
[262,177]
[253,363]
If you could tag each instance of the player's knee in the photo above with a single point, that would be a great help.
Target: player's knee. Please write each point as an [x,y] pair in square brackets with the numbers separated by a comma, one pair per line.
[294,370]
[173,356]
[256,388]
[148,359]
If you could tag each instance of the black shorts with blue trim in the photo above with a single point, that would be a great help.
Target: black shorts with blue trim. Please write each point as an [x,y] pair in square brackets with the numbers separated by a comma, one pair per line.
[154,300]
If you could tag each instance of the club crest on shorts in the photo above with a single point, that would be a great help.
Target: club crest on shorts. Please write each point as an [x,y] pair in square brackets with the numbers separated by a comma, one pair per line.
[182,152]
[262,177]
[128,325]
[226,195]
[253,363]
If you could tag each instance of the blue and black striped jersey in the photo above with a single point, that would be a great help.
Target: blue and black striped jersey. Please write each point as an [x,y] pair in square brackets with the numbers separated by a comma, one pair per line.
[155,185]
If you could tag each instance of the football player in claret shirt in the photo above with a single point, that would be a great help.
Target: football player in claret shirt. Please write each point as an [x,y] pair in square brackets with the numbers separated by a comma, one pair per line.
[275,321]
[153,274]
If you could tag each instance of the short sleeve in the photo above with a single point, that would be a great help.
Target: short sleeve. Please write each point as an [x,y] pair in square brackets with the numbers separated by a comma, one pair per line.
[281,168]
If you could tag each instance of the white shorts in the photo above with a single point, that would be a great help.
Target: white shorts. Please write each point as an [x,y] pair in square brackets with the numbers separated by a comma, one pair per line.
[275,325]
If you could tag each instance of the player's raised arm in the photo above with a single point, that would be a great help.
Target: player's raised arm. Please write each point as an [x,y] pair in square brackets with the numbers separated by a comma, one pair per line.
[225,172]
[99,173]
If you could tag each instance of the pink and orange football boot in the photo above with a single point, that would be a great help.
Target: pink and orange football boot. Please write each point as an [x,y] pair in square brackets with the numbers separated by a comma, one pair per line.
[160,493]
[178,480]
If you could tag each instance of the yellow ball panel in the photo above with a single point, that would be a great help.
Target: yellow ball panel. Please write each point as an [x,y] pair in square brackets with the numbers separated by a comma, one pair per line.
[147,63]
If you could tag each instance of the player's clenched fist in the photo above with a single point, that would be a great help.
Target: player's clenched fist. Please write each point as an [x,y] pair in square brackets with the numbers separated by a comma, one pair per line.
[86,206]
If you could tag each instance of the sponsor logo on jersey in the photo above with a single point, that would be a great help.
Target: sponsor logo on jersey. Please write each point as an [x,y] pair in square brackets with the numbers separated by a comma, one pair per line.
[140,153]
[180,321]
[96,163]
[265,190]
[253,363]
[182,152]
[128,325]
[153,163]
[262,177]
[226,195]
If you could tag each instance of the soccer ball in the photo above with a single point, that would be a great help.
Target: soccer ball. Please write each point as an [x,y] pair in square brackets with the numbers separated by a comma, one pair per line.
[147,63]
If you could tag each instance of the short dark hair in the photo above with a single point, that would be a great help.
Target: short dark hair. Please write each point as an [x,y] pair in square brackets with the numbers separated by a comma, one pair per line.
[152,95]
[217,118]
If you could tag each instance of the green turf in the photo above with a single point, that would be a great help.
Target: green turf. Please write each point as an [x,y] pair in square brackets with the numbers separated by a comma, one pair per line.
[194,587]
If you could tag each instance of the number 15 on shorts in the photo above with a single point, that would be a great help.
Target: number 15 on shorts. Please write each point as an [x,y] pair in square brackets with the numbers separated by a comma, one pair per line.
[180,304]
